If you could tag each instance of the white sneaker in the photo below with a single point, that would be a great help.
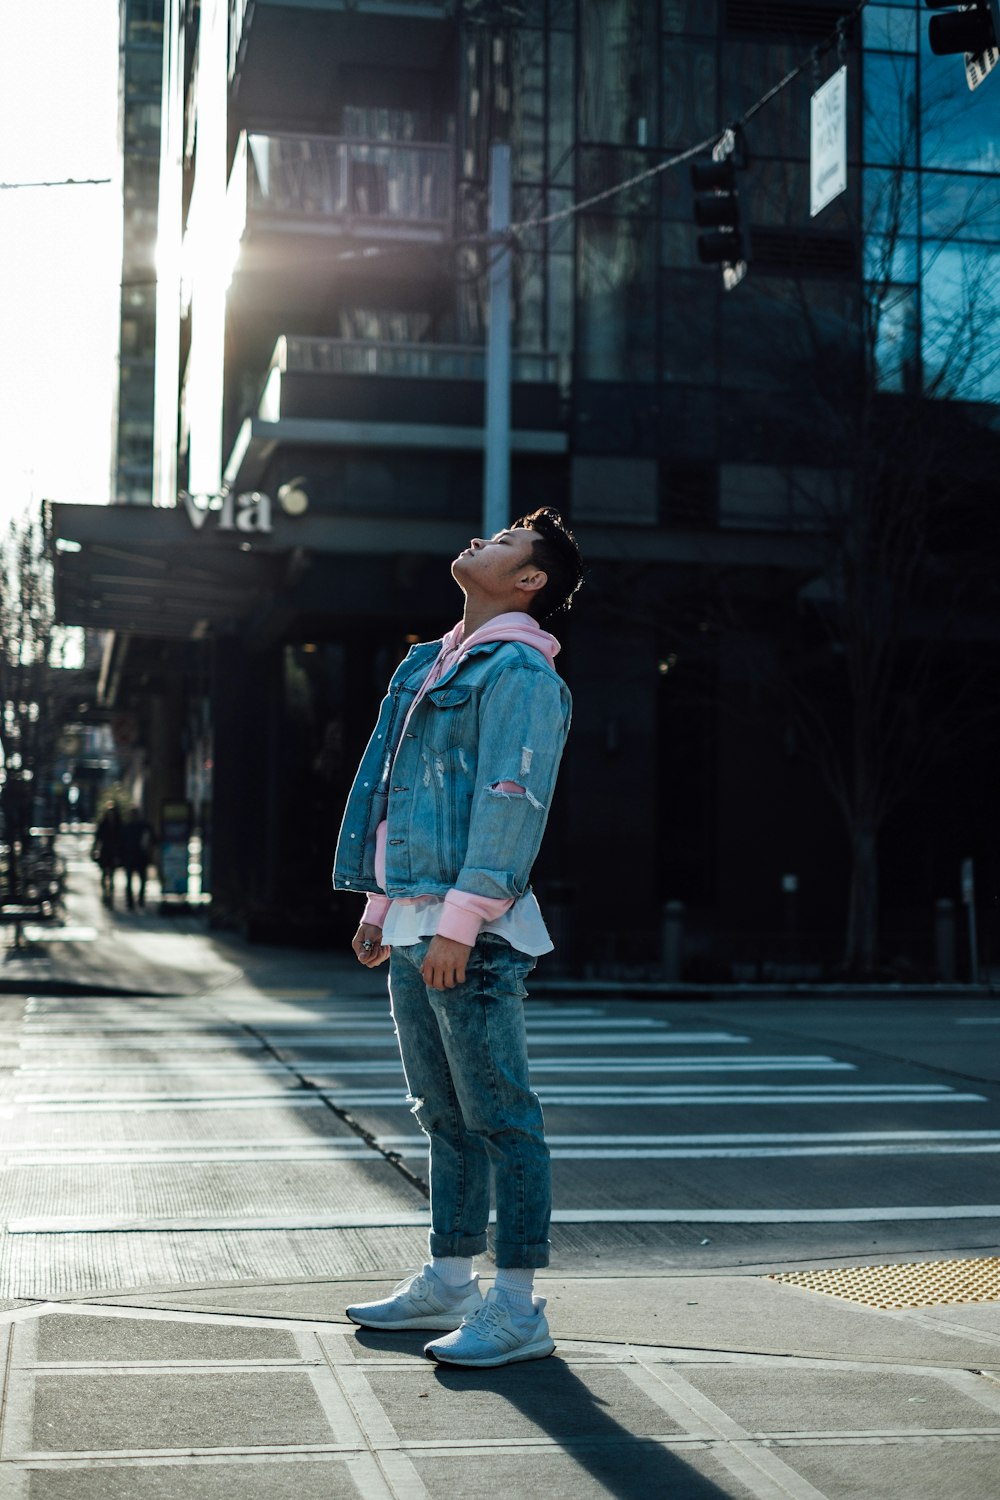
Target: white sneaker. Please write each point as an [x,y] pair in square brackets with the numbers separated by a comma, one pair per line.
[494,1335]
[422,1301]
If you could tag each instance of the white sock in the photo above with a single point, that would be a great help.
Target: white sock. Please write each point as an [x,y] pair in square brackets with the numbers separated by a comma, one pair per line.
[513,1286]
[453,1270]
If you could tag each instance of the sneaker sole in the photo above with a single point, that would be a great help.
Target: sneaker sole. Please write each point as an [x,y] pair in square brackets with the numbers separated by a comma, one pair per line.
[398,1325]
[529,1351]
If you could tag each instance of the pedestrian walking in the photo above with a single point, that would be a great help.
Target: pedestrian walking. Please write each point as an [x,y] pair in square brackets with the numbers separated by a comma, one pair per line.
[107,849]
[137,849]
[441,829]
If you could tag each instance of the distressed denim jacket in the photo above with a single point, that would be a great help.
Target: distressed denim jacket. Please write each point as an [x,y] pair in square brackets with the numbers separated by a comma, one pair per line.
[501,714]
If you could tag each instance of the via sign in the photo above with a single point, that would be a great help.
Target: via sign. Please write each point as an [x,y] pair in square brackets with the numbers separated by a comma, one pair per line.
[828,142]
[249,512]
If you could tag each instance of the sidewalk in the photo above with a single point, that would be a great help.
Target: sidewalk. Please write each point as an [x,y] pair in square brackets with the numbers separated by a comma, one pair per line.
[91,950]
[680,1385]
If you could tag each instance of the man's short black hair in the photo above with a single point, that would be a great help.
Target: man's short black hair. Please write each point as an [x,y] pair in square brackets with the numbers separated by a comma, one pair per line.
[557,554]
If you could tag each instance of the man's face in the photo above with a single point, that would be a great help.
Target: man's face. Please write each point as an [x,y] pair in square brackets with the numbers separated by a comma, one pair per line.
[490,565]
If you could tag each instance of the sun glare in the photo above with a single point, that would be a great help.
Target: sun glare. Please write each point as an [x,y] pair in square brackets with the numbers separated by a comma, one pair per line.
[62,248]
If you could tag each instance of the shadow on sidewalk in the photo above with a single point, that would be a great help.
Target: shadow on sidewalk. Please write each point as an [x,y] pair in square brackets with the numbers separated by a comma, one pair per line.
[547,1396]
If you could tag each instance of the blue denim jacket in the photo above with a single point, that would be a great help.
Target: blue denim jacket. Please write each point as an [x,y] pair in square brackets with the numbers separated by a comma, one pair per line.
[501,714]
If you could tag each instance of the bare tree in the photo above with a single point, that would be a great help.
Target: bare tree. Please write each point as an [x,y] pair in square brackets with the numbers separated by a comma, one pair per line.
[30,689]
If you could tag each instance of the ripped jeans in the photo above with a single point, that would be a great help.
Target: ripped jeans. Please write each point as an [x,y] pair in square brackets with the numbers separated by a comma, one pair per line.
[465,1058]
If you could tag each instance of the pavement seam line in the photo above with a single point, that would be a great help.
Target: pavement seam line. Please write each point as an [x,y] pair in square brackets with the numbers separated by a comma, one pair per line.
[762,1471]
[970,1383]
[394,1158]
[380,1437]
[20,1391]
[7,1336]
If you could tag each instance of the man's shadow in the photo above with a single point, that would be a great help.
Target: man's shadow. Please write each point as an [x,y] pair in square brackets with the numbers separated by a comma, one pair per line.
[546,1398]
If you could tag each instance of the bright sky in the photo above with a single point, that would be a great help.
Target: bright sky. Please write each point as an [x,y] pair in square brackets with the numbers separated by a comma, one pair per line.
[60,248]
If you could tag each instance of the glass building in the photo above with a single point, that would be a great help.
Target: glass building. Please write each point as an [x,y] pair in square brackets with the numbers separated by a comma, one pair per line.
[323,242]
[140,83]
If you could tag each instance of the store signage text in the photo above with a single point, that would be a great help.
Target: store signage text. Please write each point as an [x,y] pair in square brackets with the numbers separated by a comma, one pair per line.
[246,512]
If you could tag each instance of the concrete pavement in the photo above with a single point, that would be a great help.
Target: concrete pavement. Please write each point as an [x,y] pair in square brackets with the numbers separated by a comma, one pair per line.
[683,1383]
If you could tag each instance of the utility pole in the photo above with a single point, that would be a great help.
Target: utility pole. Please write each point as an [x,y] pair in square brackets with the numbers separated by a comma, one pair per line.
[496,464]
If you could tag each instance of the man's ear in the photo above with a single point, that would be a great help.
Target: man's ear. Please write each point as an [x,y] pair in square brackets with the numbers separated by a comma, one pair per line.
[532,581]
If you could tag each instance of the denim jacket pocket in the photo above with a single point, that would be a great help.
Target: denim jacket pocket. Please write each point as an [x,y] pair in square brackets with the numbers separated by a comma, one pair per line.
[446,722]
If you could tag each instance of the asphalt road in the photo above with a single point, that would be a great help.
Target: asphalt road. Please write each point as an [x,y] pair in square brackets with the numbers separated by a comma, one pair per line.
[265,1134]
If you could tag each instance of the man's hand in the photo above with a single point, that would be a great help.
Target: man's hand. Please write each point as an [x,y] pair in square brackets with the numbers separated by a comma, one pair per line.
[369,947]
[444,965]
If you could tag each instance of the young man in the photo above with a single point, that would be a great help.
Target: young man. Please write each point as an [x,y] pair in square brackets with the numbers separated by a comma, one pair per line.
[442,827]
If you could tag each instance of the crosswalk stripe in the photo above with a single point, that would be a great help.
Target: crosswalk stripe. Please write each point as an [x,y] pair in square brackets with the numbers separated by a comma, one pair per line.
[390,1219]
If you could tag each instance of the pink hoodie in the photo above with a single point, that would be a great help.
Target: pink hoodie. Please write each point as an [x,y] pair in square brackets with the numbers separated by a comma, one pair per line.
[464,913]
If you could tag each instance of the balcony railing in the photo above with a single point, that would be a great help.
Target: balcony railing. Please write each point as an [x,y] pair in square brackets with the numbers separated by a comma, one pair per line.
[321,356]
[316,183]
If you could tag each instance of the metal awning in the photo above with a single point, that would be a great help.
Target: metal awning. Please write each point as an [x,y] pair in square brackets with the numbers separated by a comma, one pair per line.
[147,570]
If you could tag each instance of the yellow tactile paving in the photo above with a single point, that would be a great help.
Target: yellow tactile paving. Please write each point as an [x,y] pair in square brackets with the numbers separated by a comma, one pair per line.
[916,1284]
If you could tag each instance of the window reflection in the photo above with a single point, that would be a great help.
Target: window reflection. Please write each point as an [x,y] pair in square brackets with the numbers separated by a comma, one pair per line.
[618,50]
[959,126]
[690,108]
[961,206]
[888,28]
[961,321]
[617,302]
[894,337]
[891,129]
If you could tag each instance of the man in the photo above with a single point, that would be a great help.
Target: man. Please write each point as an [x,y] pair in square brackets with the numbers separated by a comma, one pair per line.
[442,827]
[107,850]
[136,851]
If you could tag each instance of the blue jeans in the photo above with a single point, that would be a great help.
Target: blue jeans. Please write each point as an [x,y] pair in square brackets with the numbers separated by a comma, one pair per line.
[465,1057]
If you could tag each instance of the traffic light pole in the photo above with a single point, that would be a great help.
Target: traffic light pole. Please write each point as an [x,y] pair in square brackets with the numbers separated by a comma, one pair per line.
[496,465]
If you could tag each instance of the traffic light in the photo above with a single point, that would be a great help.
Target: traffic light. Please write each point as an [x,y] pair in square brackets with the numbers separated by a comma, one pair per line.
[973,29]
[717,209]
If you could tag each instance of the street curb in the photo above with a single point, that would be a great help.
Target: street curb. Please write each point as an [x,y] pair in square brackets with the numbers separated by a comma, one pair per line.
[70,987]
[555,989]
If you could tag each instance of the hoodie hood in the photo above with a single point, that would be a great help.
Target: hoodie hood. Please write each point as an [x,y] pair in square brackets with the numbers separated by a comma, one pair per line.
[514,626]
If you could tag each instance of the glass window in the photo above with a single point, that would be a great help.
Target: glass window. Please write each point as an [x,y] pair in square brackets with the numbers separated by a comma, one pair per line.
[894,337]
[143,72]
[961,206]
[888,28]
[528,105]
[786,334]
[601,169]
[889,258]
[690,327]
[891,202]
[959,128]
[618,61]
[890,110]
[560,305]
[961,321]
[690,94]
[782,129]
[690,17]
[617,301]
[562,107]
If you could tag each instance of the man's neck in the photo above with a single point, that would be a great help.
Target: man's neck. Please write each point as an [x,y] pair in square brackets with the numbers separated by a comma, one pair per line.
[477,615]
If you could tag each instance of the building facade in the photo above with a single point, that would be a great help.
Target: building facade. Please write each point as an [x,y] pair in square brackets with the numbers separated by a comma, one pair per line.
[324,207]
[139,85]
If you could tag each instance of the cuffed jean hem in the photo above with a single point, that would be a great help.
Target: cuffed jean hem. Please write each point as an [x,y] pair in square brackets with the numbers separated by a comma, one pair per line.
[510,1256]
[455,1245]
